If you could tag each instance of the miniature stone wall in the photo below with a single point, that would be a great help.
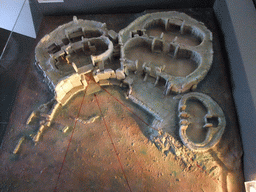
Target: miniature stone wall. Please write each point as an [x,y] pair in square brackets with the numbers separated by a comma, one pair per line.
[136,35]
[162,56]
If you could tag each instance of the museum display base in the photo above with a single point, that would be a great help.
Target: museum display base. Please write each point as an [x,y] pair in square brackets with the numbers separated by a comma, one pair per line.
[89,161]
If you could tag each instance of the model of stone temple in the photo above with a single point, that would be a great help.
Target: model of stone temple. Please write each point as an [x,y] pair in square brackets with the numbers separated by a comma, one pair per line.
[163,57]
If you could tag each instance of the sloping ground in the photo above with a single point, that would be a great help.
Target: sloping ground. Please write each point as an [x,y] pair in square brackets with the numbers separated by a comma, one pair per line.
[91,163]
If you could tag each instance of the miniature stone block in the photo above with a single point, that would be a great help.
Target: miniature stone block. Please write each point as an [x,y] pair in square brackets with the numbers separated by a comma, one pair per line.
[157,46]
[68,49]
[173,23]
[106,74]
[100,65]
[120,74]
[17,148]
[92,49]
[60,94]
[131,38]
[131,65]
[128,81]
[75,80]
[84,82]
[58,54]
[53,48]
[59,86]
[111,72]
[214,114]
[74,66]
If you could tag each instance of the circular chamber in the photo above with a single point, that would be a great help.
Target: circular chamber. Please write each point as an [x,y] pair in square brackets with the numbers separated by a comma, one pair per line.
[202,121]
[171,39]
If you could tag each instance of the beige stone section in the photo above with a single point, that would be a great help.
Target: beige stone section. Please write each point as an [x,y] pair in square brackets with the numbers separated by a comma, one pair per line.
[36,138]
[17,148]
[57,54]
[67,86]
[113,35]
[202,54]
[75,80]
[106,55]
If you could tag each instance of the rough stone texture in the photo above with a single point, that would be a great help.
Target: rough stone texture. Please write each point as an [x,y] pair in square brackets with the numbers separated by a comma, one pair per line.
[120,74]
[202,54]
[198,50]
[106,74]
[221,162]
[214,122]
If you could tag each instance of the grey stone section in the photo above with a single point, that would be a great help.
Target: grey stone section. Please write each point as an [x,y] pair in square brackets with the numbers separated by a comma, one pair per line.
[237,20]
[65,56]
[135,35]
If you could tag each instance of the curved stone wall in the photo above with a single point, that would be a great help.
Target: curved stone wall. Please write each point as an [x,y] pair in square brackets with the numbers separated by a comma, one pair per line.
[179,24]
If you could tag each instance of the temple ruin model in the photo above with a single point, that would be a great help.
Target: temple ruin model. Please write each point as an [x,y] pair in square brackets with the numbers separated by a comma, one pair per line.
[158,60]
